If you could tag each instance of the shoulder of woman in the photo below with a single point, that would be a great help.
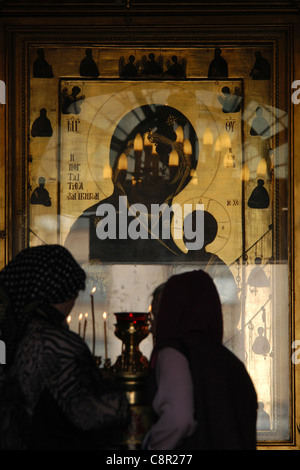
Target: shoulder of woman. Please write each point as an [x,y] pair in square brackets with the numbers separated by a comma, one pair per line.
[169,356]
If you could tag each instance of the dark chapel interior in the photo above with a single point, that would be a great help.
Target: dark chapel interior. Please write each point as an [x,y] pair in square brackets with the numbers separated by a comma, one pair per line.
[109,108]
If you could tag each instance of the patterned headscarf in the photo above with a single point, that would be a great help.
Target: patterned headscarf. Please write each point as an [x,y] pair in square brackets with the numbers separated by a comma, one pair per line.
[189,303]
[36,278]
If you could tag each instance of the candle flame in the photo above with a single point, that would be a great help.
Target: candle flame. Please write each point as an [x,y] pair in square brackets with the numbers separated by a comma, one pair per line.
[174,158]
[93,290]
[122,163]
[149,308]
[104,315]
[262,167]
[69,319]
[147,141]
[225,140]
[80,316]
[107,172]
[179,134]
[86,315]
[208,137]
[187,147]
[138,143]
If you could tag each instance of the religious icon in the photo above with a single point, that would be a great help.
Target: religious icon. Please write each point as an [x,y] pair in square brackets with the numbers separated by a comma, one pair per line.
[218,67]
[261,69]
[72,102]
[40,195]
[145,171]
[260,125]
[42,125]
[259,198]
[41,68]
[88,67]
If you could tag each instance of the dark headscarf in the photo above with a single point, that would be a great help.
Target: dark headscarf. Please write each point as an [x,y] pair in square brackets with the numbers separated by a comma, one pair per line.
[36,278]
[190,303]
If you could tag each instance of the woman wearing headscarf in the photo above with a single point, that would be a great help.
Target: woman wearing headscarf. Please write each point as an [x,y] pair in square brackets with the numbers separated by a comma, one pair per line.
[52,396]
[202,395]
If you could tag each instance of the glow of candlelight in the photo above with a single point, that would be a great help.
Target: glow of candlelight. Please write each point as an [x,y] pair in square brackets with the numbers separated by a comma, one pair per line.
[174,158]
[122,163]
[194,177]
[93,319]
[245,174]
[208,137]
[138,143]
[107,171]
[218,145]
[179,134]
[79,323]
[187,147]
[105,334]
[85,324]
[69,319]
[225,140]
[262,167]
[147,142]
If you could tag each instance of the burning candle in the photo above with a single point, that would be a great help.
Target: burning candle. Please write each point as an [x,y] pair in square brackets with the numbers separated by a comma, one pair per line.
[138,146]
[69,319]
[122,163]
[179,134]
[85,324]
[174,158]
[208,137]
[93,318]
[105,334]
[79,323]
[187,147]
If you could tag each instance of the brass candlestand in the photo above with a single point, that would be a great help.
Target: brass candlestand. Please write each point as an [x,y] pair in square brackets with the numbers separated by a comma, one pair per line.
[131,368]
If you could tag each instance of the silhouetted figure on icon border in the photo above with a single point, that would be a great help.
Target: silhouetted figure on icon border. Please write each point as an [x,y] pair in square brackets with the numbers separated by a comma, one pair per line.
[42,127]
[259,198]
[41,68]
[261,69]
[88,67]
[40,195]
[218,67]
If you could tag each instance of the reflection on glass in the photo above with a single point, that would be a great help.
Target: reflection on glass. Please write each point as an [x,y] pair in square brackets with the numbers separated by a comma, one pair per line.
[176,147]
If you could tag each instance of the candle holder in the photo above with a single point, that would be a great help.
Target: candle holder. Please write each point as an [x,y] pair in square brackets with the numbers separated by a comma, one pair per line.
[107,364]
[98,360]
[131,368]
[131,329]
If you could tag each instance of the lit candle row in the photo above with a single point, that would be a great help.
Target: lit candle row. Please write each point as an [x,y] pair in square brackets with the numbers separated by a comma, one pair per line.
[80,317]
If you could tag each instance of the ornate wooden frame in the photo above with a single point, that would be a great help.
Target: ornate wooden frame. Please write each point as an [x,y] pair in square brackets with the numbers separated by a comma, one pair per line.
[132,31]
